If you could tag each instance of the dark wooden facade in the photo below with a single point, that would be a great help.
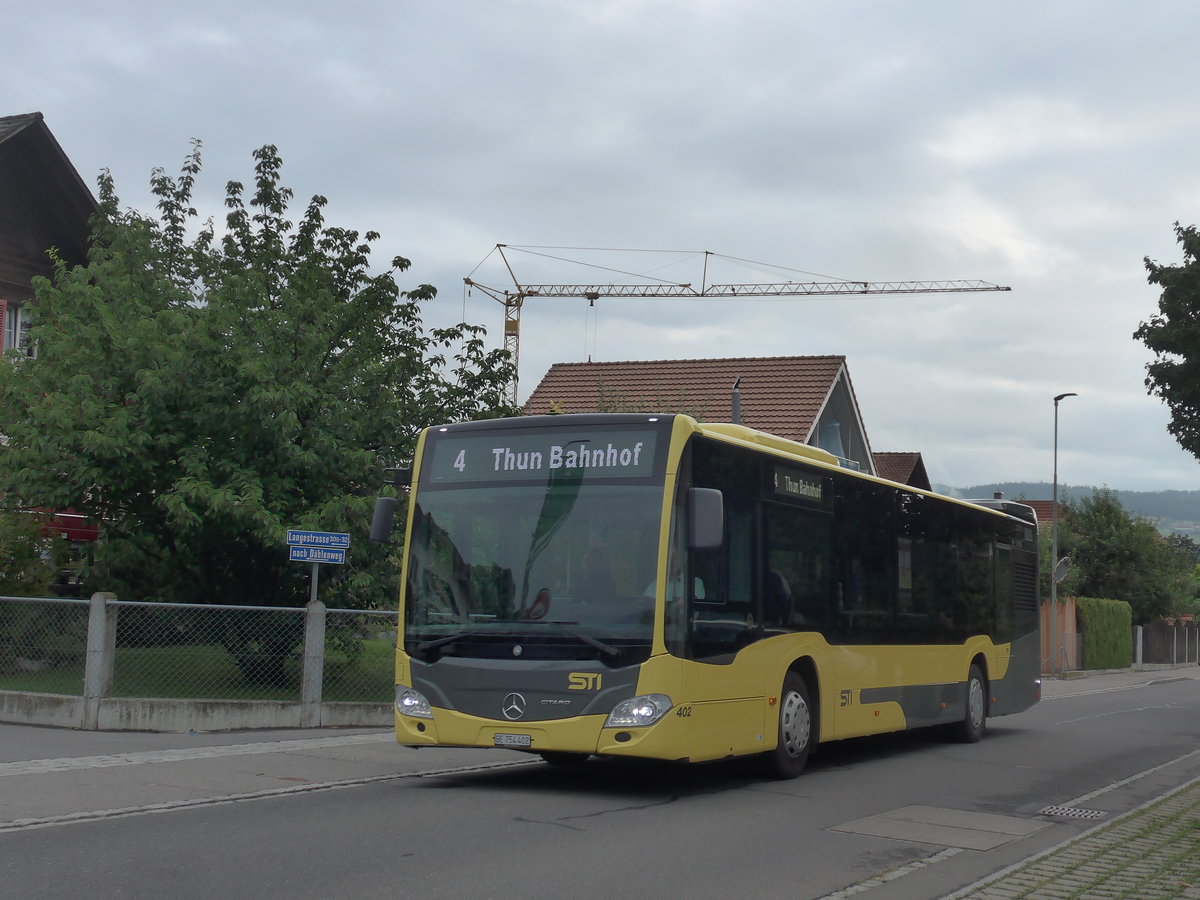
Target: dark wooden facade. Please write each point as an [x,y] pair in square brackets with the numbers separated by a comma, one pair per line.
[43,204]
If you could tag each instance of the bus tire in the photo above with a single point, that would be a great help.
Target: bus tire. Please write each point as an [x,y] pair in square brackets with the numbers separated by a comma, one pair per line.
[796,735]
[974,721]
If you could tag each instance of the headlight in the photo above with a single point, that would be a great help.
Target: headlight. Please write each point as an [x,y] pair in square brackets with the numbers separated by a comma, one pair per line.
[412,703]
[639,711]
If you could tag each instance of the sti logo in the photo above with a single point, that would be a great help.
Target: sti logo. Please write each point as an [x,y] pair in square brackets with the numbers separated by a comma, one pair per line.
[583,681]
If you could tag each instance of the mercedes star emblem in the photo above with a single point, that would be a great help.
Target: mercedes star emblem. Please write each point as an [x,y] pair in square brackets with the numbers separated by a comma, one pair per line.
[513,706]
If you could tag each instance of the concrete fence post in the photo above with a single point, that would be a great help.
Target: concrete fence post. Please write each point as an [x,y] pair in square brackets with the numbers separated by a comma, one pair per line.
[1137,646]
[313,671]
[98,661]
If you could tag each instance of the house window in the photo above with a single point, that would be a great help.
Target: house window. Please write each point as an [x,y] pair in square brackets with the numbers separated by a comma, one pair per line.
[15,323]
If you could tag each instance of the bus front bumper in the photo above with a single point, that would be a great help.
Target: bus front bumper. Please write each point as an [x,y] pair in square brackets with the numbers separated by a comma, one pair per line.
[666,739]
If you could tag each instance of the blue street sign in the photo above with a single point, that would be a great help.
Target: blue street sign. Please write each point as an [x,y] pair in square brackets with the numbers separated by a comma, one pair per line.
[329,539]
[317,555]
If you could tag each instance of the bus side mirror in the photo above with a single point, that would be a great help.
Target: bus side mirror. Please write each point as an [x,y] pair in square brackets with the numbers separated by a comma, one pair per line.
[381,520]
[399,477]
[706,519]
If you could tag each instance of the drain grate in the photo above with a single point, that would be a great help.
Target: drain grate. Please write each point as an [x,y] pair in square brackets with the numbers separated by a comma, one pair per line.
[1072,812]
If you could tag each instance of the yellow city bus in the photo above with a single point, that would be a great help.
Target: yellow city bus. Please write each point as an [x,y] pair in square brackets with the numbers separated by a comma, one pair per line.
[652,586]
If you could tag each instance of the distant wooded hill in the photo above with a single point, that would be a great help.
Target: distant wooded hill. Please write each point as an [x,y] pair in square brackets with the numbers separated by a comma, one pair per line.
[1171,510]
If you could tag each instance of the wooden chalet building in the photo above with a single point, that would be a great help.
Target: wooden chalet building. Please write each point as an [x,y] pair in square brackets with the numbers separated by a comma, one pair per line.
[43,204]
[804,398]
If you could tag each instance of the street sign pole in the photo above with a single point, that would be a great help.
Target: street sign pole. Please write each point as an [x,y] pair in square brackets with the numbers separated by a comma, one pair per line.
[317,547]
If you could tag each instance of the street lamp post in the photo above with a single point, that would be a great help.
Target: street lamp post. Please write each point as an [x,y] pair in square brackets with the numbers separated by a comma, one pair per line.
[1054,643]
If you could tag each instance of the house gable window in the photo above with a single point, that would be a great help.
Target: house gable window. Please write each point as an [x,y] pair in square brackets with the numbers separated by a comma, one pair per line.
[14,323]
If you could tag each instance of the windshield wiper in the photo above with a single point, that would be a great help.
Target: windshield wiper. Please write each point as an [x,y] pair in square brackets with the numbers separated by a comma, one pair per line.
[451,638]
[607,649]
[561,626]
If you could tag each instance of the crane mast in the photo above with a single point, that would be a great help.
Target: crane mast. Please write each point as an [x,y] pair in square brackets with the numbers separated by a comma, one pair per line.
[513,299]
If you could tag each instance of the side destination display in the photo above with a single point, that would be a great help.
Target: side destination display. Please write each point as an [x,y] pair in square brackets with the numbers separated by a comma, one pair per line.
[540,456]
[797,484]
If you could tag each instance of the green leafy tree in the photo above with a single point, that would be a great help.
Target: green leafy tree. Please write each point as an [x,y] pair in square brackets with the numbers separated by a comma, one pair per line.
[1186,545]
[30,554]
[202,391]
[34,636]
[1118,556]
[1173,333]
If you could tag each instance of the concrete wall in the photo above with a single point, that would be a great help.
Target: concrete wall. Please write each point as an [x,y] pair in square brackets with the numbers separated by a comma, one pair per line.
[149,714]
[96,710]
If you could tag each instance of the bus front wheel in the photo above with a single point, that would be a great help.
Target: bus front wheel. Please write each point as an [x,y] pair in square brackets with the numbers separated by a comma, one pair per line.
[795,742]
[974,721]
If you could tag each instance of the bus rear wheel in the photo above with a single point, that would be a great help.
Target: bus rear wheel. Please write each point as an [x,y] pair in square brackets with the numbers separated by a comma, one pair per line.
[974,721]
[796,737]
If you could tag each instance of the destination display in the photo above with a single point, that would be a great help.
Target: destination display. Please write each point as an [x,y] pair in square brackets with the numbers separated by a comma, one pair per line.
[541,456]
[799,485]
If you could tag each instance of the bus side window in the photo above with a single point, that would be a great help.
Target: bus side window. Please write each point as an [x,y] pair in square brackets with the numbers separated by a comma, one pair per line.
[867,562]
[722,610]
[796,568]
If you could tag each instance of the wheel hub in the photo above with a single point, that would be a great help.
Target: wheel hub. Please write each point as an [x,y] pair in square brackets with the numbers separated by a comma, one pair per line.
[795,724]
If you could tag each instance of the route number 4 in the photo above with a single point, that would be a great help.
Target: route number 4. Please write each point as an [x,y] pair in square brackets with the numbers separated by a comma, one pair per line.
[460,461]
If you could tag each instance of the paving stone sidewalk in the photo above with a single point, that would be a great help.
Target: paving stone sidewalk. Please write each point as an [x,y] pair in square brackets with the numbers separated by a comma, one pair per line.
[1150,853]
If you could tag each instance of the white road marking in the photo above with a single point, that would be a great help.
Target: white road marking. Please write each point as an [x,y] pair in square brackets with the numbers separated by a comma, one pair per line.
[221,799]
[144,757]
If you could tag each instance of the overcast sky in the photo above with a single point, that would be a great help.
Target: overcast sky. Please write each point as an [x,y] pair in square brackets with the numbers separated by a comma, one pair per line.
[1045,146]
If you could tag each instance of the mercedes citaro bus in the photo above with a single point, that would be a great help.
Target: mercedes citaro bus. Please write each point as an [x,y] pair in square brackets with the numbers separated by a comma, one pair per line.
[652,586]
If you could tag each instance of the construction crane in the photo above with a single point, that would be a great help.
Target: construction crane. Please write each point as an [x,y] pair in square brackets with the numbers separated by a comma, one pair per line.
[512,300]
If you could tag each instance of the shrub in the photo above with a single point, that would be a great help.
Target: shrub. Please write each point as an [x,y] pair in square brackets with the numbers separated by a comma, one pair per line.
[1106,627]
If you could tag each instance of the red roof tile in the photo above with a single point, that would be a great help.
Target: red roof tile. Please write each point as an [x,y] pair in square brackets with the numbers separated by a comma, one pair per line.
[1044,510]
[903,467]
[782,395]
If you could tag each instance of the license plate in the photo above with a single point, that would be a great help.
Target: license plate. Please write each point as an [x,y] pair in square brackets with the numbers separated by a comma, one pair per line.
[512,740]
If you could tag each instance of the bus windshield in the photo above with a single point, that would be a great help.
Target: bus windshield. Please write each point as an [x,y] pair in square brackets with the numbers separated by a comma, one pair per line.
[549,563]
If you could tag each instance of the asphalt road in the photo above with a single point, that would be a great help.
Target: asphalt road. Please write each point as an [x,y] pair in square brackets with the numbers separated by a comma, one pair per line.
[349,814]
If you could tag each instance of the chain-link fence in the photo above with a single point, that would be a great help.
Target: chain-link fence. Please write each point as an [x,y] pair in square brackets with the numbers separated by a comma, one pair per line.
[207,652]
[198,652]
[43,643]
[360,656]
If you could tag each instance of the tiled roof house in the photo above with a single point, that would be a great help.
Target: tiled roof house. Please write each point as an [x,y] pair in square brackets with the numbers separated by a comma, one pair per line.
[804,398]
[1045,510]
[43,204]
[906,468]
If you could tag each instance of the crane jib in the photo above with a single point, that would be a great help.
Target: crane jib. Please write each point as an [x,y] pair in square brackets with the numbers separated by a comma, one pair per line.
[513,299]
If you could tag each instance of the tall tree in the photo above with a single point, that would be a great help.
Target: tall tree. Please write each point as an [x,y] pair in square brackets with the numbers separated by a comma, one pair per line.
[30,553]
[1173,333]
[1118,556]
[200,392]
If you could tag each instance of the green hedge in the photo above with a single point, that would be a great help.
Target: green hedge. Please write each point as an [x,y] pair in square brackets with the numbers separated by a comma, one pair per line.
[1106,627]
